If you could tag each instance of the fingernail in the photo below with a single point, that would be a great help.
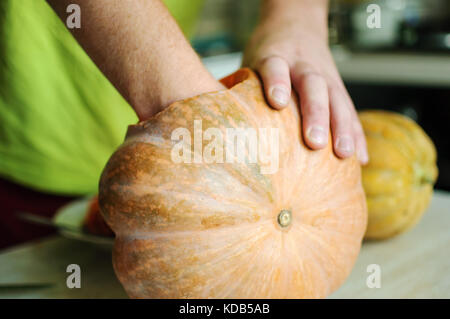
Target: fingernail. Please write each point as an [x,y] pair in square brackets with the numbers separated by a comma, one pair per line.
[317,135]
[345,144]
[279,94]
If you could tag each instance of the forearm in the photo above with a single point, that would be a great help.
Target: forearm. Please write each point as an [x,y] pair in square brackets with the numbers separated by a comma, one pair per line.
[141,50]
[310,14]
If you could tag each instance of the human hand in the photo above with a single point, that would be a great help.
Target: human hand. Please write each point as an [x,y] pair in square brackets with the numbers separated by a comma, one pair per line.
[291,51]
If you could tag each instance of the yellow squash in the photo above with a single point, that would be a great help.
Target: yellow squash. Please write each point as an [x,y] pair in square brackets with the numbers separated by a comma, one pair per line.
[399,178]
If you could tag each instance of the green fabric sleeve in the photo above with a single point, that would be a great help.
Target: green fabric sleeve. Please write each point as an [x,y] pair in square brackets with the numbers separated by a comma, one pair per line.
[60,118]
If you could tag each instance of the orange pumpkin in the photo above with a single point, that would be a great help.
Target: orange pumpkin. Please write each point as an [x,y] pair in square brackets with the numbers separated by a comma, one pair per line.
[93,222]
[227,230]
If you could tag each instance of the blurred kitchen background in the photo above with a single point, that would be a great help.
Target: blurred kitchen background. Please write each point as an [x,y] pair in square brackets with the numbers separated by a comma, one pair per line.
[404,66]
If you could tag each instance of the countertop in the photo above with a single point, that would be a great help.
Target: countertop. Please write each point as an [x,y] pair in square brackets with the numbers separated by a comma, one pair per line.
[413,265]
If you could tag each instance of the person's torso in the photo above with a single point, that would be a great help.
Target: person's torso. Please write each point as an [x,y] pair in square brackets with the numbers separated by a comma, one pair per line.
[60,119]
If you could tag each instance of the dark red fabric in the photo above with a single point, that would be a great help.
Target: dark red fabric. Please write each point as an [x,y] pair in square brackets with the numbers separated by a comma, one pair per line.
[16,198]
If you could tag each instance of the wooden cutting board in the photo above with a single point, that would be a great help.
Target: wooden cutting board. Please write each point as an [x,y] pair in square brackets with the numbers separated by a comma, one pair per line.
[415,264]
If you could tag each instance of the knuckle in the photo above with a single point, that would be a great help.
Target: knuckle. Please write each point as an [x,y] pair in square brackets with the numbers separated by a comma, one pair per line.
[318,110]
[342,127]
[336,89]
[270,60]
[314,76]
[344,116]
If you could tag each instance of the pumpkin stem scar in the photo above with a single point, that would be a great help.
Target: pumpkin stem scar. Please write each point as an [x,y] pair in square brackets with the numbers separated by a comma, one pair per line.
[284,218]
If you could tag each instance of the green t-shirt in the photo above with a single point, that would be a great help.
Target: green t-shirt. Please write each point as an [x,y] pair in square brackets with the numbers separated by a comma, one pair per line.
[60,118]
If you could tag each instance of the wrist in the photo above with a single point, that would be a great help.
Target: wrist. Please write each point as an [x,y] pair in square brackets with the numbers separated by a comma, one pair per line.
[308,16]
[177,83]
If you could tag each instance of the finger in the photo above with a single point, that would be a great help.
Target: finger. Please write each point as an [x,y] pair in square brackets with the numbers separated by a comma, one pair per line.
[274,72]
[360,140]
[341,123]
[314,104]
[358,133]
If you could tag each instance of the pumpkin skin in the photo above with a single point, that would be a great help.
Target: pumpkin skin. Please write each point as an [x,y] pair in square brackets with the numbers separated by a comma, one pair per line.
[93,222]
[399,178]
[213,230]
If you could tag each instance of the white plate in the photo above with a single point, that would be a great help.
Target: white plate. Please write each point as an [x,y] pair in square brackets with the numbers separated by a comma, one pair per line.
[71,216]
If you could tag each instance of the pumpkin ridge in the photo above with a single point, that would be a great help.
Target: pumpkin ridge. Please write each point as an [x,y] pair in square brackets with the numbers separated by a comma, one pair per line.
[228,289]
[157,234]
[306,272]
[260,189]
[317,268]
[243,251]
[234,93]
[246,109]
